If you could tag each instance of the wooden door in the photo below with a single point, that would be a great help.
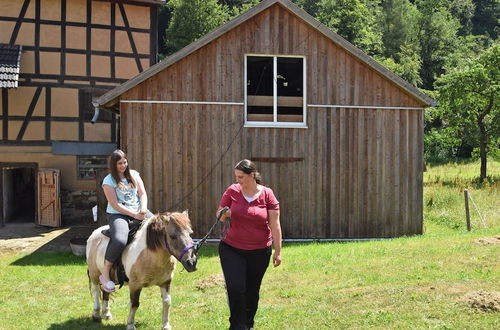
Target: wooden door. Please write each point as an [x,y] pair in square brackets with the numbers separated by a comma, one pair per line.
[49,199]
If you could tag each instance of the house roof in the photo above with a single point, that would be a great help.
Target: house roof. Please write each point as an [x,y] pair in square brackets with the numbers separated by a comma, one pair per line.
[111,97]
[10,61]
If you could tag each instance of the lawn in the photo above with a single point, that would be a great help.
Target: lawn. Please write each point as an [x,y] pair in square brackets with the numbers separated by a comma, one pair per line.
[443,279]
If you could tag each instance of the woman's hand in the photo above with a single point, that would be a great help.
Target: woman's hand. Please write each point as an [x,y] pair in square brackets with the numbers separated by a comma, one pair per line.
[225,215]
[276,259]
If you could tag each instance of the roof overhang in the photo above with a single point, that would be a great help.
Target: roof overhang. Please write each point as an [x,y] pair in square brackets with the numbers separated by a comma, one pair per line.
[10,63]
[153,2]
[111,98]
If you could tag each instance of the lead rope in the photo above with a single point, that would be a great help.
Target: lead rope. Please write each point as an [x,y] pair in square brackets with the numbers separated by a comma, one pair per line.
[225,230]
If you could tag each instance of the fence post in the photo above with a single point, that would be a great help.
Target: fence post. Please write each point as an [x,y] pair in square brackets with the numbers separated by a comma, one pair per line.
[467,212]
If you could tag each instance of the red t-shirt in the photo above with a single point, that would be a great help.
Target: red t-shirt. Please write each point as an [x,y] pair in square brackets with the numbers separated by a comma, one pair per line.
[249,221]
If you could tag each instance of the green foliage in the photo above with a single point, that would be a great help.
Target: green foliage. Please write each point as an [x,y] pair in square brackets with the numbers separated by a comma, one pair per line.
[470,97]
[352,20]
[467,48]
[438,30]
[463,10]
[407,66]
[192,19]
[399,27]
[311,6]
[486,18]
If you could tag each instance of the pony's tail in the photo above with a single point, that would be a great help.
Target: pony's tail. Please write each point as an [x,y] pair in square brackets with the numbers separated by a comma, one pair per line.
[90,284]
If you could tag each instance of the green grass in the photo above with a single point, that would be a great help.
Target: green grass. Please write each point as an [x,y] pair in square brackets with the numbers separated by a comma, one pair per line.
[444,195]
[407,283]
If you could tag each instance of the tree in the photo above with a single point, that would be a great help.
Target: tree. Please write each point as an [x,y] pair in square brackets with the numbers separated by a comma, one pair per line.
[399,25]
[407,66]
[192,19]
[463,10]
[437,32]
[311,6]
[470,98]
[486,17]
[352,20]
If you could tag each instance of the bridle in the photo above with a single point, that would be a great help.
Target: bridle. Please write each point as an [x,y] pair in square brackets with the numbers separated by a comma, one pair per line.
[186,249]
[196,247]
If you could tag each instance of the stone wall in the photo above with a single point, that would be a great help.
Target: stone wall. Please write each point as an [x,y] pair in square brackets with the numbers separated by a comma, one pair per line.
[76,207]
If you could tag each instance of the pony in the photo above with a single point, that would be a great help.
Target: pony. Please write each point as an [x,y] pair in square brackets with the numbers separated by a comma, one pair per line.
[148,260]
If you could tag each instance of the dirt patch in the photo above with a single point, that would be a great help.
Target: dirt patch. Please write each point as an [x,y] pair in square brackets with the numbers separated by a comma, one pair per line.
[488,240]
[484,301]
[210,282]
[28,238]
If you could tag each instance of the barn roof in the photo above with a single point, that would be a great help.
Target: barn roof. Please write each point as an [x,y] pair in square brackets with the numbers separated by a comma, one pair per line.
[111,98]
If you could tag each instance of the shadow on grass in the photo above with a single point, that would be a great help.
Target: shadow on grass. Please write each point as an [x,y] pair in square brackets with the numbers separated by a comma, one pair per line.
[49,259]
[67,258]
[84,323]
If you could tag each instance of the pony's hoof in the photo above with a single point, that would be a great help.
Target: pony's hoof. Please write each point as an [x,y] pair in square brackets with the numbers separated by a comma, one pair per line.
[97,319]
[108,317]
[167,327]
[131,327]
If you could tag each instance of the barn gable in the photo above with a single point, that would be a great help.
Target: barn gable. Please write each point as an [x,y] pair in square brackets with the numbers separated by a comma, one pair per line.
[272,37]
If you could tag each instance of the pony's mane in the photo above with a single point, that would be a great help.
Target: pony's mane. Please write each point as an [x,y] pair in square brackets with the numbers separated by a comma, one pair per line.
[181,220]
[155,233]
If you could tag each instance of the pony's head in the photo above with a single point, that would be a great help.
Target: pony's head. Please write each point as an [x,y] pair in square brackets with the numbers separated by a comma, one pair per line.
[171,231]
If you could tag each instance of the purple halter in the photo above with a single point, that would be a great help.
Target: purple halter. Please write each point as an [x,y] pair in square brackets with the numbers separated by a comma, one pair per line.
[186,249]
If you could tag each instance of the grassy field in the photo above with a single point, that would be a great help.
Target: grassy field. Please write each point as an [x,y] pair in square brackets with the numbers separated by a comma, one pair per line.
[443,279]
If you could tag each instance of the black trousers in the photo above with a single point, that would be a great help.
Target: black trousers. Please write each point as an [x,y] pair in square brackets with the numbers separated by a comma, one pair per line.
[243,273]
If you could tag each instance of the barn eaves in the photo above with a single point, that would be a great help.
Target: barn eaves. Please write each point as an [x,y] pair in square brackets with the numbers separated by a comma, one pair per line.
[10,62]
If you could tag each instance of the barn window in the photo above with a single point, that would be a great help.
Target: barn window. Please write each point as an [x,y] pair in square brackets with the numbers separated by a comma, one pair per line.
[275,91]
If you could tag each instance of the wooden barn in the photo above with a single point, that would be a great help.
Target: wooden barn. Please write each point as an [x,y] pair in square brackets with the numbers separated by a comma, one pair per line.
[55,57]
[337,136]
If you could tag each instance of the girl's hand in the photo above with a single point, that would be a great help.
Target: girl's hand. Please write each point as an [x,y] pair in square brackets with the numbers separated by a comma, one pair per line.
[141,215]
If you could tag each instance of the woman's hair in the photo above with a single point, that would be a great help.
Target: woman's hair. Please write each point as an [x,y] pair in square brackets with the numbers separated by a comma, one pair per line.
[114,158]
[248,167]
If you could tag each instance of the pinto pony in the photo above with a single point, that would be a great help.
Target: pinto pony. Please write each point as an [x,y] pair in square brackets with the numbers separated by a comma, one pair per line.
[148,260]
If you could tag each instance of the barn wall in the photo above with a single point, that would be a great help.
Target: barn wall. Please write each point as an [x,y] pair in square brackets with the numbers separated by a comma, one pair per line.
[353,172]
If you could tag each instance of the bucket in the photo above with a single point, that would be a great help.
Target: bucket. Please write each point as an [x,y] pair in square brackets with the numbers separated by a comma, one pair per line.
[78,246]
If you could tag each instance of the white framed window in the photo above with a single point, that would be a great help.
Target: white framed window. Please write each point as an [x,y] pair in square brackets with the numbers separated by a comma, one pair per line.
[275,91]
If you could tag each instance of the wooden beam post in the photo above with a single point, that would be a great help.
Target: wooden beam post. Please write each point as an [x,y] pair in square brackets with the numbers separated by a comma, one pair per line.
[467,212]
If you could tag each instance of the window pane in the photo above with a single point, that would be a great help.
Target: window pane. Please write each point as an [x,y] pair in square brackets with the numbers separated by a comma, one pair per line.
[260,113]
[290,76]
[88,166]
[290,114]
[259,75]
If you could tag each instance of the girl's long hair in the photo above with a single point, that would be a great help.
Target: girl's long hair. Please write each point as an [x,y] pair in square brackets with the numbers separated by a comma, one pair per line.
[114,158]
[248,167]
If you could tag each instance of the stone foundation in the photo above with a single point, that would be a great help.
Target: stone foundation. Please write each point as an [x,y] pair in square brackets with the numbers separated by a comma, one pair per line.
[76,207]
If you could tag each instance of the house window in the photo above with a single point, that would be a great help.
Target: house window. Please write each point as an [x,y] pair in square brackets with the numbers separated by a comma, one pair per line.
[275,91]
[88,166]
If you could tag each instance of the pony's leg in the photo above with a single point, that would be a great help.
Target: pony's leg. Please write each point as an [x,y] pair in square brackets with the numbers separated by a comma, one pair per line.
[96,294]
[106,313]
[135,294]
[167,301]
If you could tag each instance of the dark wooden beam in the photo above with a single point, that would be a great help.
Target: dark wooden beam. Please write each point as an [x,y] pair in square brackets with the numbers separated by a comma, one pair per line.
[19,21]
[31,109]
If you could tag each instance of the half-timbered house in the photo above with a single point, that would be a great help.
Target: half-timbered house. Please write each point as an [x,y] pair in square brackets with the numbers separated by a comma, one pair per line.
[336,135]
[55,57]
